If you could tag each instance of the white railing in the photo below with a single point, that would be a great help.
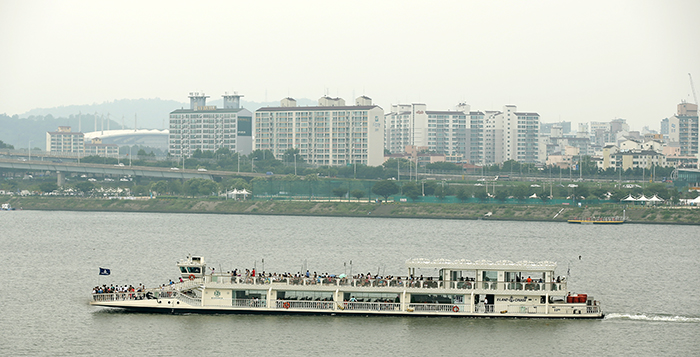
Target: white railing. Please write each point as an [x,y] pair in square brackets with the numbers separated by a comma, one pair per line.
[249,303]
[436,307]
[105,297]
[307,305]
[370,306]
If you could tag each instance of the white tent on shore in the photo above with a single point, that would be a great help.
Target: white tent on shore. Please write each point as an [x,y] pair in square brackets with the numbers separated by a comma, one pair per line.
[656,199]
[629,199]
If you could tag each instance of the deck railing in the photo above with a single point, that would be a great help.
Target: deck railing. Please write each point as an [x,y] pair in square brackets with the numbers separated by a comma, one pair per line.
[428,307]
[306,305]
[249,303]
[395,282]
[370,306]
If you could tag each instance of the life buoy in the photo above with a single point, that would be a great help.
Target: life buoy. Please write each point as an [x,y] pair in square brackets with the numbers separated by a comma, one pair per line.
[455,308]
[285,305]
[191,276]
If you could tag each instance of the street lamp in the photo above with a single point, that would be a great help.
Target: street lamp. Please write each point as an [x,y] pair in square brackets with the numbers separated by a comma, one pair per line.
[129,156]
[295,164]
[30,151]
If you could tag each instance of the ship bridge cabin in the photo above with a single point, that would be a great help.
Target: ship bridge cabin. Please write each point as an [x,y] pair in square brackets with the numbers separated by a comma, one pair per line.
[192,267]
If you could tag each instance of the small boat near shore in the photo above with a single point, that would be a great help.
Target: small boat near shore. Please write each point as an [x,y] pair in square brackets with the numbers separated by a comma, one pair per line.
[6,207]
[461,288]
[598,220]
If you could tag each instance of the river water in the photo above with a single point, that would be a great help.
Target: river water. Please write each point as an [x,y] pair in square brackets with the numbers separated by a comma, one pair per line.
[644,275]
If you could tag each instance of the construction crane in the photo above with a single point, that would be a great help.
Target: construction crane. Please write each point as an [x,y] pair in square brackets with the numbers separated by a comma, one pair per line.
[692,86]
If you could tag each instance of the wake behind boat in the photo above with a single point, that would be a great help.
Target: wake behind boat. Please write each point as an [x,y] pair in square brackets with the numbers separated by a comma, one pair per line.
[461,289]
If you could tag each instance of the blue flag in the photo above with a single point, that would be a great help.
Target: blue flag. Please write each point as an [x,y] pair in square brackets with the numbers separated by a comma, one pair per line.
[104,271]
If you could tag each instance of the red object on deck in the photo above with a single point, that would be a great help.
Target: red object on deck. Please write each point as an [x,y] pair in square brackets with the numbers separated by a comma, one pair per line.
[569,299]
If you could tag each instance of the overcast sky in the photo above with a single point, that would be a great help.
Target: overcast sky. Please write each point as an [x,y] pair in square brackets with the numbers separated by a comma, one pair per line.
[575,61]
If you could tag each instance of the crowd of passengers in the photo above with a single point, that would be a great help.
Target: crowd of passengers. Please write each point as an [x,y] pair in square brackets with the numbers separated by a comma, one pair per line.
[363,279]
[138,292]
[315,278]
[326,278]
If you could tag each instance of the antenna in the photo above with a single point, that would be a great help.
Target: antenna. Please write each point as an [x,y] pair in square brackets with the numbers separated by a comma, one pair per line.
[692,86]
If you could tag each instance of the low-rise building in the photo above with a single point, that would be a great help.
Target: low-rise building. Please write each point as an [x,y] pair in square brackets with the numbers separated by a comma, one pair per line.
[96,147]
[637,159]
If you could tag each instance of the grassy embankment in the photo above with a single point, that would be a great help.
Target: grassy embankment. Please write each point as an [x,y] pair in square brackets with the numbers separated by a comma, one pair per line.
[661,215]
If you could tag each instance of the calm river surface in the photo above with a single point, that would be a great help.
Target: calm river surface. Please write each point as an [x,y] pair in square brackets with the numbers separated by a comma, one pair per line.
[646,277]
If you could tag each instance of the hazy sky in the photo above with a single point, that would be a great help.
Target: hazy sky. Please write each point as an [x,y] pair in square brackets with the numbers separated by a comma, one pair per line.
[579,61]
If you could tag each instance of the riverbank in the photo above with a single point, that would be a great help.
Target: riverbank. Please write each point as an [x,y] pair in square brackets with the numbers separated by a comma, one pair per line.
[548,213]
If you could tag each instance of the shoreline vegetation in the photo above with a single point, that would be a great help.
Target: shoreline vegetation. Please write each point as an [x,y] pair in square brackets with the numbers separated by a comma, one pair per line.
[471,211]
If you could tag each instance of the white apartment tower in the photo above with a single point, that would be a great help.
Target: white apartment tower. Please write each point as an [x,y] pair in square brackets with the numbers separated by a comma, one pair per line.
[498,136]
[209,128]
[444,132]
[331,133]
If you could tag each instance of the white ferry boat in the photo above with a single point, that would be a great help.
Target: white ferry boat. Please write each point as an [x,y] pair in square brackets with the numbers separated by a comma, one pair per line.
[461,289]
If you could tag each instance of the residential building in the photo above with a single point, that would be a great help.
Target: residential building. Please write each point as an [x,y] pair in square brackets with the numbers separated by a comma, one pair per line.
[687,119]
[476,137]
[331,133]
[64,140]
[463,135]
[208,128]
[546,128]
[636,159]
[442,132]
[665,128]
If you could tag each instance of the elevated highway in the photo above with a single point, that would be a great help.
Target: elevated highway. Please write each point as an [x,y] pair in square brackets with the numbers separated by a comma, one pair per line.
[98,169]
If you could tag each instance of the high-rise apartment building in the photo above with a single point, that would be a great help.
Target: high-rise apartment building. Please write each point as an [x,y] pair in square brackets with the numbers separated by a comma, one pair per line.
[683,128]
[209,128]
[331,133]
[444,132]
[464,135]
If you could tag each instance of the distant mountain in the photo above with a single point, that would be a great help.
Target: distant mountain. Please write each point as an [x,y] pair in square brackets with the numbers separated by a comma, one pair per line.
[148,113]
[142,113]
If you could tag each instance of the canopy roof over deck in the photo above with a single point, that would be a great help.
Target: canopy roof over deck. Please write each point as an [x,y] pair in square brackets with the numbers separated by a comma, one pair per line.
[463,264]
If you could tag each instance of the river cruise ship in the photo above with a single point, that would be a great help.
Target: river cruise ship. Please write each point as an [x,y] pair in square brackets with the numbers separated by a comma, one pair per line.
[459,288]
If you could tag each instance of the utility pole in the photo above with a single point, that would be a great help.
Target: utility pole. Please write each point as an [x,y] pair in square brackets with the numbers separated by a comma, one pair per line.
[398,170]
